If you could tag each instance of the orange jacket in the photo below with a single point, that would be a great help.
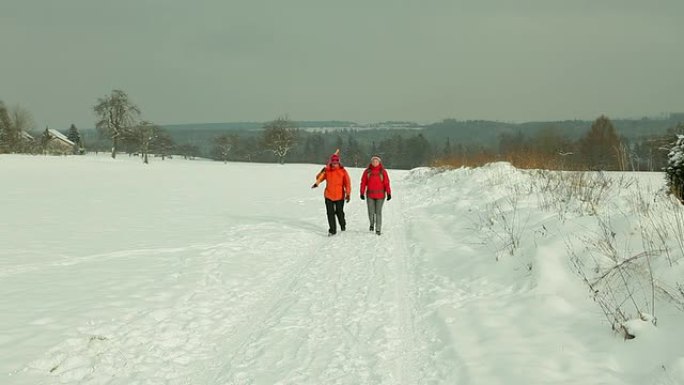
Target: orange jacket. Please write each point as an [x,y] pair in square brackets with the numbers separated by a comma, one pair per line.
[338,184]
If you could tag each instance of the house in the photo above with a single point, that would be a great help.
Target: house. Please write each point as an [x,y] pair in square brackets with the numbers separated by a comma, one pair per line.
[57,143]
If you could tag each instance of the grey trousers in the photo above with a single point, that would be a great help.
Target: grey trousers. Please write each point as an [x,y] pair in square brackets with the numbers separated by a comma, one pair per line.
[375,212]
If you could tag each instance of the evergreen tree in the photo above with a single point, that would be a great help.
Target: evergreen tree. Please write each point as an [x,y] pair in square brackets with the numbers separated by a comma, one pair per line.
[308,149]
[392,152]
[339,143]
[675,168]
[399,152]
[418,151]
[319,148]
[353,151]
[654,152]
[447,152]
[75,136]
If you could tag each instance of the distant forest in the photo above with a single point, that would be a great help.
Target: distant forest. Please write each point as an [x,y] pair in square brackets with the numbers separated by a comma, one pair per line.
[406,145]
[602,144]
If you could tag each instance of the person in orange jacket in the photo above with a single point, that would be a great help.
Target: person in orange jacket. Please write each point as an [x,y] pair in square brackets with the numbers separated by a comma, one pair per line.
[337,191]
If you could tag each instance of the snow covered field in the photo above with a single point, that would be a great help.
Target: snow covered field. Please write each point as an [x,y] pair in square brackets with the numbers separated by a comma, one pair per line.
[197,272]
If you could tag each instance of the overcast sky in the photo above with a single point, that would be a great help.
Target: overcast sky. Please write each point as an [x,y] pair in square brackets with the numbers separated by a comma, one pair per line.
[364,60]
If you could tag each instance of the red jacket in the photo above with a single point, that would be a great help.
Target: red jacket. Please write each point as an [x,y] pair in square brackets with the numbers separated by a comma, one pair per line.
[375,182]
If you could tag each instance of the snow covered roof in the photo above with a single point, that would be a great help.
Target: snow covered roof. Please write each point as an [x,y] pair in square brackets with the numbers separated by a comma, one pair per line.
[59,136]
[26,135]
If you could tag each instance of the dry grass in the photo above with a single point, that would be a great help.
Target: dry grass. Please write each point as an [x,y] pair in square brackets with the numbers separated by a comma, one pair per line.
[522,160]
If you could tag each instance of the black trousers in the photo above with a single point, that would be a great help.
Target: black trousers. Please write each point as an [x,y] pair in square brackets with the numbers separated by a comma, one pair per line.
[335,209]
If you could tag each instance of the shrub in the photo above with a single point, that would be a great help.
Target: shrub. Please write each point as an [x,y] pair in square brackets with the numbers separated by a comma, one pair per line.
[674,171]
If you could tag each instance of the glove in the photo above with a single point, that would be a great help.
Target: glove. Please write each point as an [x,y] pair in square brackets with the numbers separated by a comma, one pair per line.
[347,199]
[362,197]
[389,197]
[314,185]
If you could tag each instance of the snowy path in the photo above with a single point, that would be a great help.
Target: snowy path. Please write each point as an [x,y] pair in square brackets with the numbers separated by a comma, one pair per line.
[198,281]
[344,316]
[338,310]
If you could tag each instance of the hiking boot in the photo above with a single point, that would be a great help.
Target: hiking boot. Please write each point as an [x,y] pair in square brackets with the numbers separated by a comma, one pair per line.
[371,228]
[343,228]
[377,232]
[331,233]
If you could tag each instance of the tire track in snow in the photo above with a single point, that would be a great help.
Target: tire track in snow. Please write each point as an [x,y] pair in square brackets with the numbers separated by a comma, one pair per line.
[320,320]
[413,361]
[351,317]
[256,319]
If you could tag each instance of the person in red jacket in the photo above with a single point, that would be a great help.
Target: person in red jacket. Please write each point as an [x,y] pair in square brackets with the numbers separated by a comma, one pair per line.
[337,191]
[375,185]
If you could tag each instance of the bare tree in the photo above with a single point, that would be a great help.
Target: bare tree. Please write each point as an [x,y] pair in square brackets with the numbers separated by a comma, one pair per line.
[143,136]
[14,123]
[224,146]
[22,119]
[44,141]
[623,156]
[188,151]
[163,144]
[7,134]
[117,115]
[600,145]
[280,137]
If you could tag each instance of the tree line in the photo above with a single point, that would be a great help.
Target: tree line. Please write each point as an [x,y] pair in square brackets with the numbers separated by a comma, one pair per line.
[121,128]
[281,141]
[599,148]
